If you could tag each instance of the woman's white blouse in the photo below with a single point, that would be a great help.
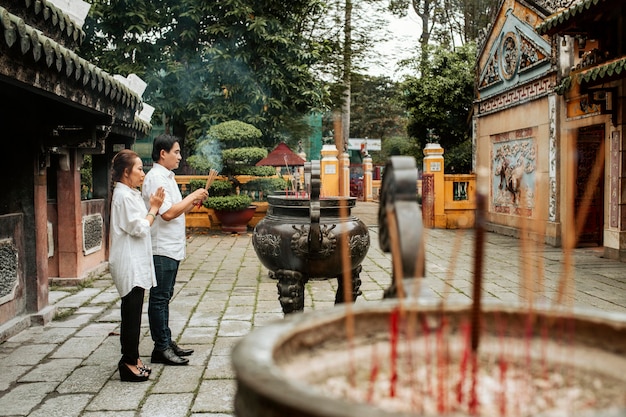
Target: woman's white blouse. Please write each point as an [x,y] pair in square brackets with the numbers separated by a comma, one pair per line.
[130,253]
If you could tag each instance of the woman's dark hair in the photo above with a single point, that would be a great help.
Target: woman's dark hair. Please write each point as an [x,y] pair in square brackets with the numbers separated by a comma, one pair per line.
[162,142]
[122,161]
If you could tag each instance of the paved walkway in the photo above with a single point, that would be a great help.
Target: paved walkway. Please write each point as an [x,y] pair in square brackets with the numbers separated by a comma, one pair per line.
[68,367]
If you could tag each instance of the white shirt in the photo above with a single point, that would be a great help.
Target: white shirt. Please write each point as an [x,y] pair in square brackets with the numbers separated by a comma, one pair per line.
[168,237]
[130,257]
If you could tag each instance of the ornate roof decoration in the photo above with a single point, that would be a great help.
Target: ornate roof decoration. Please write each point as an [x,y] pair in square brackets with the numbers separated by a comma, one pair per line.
[596,74]
[517,55]
[30,41]
[563,16]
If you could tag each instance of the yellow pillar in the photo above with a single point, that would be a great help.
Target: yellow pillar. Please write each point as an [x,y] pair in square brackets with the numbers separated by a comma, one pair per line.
[344,182]
[367,178]
[329,171]
[301,171]
[433,163]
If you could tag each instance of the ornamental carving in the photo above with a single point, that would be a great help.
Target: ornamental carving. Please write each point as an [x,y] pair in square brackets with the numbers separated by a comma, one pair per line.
[267,244]
[300,241]
[509,54]
[8,267]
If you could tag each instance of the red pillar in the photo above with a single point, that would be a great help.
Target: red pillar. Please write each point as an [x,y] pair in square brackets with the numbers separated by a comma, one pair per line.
[69,216]
[41,236]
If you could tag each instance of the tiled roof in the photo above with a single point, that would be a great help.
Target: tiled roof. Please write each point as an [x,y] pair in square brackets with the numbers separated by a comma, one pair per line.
[42,10]
[30,41]
[281,156]
[562,17]
[597,73]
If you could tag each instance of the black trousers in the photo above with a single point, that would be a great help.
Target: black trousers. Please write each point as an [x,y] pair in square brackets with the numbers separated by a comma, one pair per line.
[130,328]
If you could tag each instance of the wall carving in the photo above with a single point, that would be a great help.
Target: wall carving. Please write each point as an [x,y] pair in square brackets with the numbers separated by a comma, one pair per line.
[93,232]
[8,270]
[513,163]
[552,159]
[515,96]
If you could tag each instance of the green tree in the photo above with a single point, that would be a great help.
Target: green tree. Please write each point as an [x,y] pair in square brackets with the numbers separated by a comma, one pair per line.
[208,62]
[377,109]
[350,29]
[440,101]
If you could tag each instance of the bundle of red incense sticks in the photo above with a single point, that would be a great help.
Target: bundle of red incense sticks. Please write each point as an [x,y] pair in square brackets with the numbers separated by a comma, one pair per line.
[211,178]
[209,181]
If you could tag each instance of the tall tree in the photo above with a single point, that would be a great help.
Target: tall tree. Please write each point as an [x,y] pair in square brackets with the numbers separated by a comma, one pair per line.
[439,103]
[350,29]
[377,109]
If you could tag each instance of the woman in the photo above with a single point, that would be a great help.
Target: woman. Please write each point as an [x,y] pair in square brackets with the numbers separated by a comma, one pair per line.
[130,259]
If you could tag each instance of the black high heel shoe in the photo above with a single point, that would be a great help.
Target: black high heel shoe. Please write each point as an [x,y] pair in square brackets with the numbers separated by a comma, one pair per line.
[127,375]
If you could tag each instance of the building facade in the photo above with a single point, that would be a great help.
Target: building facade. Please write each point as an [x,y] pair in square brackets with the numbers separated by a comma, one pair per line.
[548,122]
[55,108]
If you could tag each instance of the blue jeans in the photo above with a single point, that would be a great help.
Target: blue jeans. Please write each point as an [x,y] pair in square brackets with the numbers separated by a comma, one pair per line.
[159,301]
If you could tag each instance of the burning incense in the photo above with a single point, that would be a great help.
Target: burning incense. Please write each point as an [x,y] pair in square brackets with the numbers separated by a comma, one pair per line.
[210,178]
[209,181]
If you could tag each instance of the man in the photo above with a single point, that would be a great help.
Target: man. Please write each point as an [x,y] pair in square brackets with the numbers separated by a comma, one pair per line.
[168,245]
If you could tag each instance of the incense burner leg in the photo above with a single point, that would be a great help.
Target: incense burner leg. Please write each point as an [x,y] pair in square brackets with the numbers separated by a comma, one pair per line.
[356,285]
[290,290]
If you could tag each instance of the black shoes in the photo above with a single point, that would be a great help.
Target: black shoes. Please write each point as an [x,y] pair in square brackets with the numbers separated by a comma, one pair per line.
[128,375]
[180,351]
[168,357]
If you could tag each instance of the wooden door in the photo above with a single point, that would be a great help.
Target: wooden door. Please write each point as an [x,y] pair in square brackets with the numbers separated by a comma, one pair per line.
[588,145]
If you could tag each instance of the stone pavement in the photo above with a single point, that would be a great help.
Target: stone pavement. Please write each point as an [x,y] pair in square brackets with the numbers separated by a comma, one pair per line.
[69,366]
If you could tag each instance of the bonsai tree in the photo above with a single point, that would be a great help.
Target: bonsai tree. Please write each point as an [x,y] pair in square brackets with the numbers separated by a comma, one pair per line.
[232,148]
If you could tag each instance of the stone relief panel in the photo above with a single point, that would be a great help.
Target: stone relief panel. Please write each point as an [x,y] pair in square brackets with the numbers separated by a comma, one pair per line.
[552,159]
[513,163]
[9,268]
[93,231]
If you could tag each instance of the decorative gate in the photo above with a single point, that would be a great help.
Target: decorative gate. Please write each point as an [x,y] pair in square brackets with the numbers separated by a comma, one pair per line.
[588,146]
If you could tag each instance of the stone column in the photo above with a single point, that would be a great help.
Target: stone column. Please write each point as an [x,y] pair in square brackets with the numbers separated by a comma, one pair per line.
[367,178]
[433,164]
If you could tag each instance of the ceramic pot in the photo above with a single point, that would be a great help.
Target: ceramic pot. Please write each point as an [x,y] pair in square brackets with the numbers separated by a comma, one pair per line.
[235,221]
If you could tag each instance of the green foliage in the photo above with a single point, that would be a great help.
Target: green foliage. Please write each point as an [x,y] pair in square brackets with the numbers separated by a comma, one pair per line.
[207,62]
[86,178]
[264,186]
[235,133]
[398,145]
[228,203]
[440,101]
[376,108]
[217,188]
[243,156]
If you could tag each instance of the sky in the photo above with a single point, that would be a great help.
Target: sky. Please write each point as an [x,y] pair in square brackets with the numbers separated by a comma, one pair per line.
[401,43]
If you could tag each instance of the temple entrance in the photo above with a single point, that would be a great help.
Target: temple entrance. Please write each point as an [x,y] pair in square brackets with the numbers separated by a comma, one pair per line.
[588,145]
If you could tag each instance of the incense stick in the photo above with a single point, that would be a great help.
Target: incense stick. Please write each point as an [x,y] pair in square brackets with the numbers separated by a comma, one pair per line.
[210,178]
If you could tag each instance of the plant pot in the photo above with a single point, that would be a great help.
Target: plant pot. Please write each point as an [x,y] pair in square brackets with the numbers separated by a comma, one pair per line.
[235,221]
